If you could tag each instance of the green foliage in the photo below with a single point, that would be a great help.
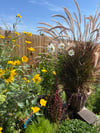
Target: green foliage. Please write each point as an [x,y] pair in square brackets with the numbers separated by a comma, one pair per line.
[76,126]
[93,102]
[17,90]
[48,78]
[63,97]
[16,106]
[42,126]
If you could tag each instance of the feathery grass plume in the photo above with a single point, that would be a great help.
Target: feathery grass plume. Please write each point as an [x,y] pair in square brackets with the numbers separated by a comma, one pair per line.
[73,29]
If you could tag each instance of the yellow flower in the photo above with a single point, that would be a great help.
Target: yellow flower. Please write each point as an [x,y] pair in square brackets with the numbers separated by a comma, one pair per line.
[13,40]
[2,37]
[10,79]
[29,34]
[99,113]
[17,33]
[9,75]
[1,72]
[1,129]
[36,78]
[35,109]
[17,45]
[43,70]
[24,32]
[28,42]
[24,59]
[16,62]
[43,102]
[24,78]
[28,81]
[12,72]
[54,73]
[5,90]
[31,49]
[11,62]
[9,37]
[18,15]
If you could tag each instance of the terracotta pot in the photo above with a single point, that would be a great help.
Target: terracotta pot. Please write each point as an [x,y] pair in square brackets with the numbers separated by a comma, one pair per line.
[76,100]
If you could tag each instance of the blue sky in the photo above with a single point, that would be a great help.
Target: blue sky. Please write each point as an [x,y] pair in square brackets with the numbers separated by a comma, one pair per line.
[34,11]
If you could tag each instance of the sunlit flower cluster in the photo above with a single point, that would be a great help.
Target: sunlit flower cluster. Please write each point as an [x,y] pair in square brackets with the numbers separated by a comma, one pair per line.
[27,33]
[9,75]
[36,109]
[36,78]
[27,81]
[14,63]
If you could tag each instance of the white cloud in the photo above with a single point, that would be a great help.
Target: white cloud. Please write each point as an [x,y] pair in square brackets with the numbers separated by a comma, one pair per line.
[50,6]
[53,7]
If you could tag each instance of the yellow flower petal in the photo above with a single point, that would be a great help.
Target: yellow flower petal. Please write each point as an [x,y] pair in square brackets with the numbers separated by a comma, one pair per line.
[31,48]
[18,15]
[43,70]
[2,37]
[43,102]
[17,33]
[24,59]
[1,129]
[35,109]
[28,42]
[54,73]
[36,78]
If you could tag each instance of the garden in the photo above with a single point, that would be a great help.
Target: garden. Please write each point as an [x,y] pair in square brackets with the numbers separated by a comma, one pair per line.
[44,97]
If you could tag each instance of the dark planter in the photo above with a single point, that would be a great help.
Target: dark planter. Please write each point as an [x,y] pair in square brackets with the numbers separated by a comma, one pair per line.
[76,101]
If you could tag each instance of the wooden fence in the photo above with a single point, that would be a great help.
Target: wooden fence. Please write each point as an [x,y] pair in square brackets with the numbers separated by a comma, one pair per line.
[38,42]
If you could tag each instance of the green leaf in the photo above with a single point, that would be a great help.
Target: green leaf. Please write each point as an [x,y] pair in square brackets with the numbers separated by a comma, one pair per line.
[26,113]
[27,102]
[38,113]
[21,105]
[2,85]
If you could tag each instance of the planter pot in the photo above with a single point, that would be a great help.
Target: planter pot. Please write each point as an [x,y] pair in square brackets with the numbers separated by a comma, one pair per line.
[76,100]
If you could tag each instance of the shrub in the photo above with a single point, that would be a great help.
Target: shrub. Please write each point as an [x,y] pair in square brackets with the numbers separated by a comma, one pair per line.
[76,126]
[53,110]
[94,100]
[42,126]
